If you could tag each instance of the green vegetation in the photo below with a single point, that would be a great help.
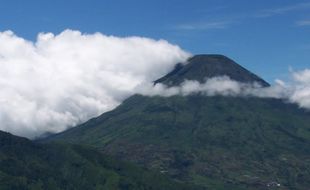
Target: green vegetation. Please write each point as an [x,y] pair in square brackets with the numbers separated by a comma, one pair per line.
[211,141]
[25,165]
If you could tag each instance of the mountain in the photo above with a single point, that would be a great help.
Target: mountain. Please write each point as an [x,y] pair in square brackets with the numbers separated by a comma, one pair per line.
[27,165]
[201,67]
[217,142]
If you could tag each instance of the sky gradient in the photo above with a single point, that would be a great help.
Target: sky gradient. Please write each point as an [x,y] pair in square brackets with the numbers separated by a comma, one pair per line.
[267,37]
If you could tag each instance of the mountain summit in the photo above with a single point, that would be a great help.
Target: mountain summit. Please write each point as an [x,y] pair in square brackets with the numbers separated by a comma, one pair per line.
[201,67]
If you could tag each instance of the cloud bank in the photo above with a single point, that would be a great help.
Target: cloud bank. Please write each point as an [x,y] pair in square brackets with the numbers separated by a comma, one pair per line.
[65,79]
[62,80]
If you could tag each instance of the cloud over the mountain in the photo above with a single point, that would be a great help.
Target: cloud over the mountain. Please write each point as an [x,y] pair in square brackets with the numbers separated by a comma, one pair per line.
[296,91]
[61,80]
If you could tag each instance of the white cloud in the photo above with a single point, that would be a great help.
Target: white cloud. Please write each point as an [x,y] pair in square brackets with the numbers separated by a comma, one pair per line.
[62,80]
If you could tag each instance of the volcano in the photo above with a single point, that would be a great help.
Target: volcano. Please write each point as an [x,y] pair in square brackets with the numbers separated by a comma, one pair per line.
[214,142]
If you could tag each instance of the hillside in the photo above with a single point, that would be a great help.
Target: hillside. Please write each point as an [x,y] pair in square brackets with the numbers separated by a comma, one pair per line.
[25,165]
[218,142]
[233,140]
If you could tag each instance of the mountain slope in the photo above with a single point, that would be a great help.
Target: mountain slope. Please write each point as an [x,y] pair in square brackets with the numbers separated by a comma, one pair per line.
[200,67]
[218,142]
[245,141]
[27,165]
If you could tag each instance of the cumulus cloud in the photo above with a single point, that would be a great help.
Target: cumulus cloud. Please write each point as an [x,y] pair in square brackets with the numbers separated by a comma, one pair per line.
[65,79]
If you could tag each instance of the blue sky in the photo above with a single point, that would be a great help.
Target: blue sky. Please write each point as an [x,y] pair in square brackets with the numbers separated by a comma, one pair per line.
[267,37]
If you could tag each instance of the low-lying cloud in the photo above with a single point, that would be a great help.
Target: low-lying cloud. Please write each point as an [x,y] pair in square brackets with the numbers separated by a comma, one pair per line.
[297,91]
[65,79]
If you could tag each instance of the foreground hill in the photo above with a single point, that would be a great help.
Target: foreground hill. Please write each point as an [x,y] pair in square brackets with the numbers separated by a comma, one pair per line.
[27,165]
[217,142]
